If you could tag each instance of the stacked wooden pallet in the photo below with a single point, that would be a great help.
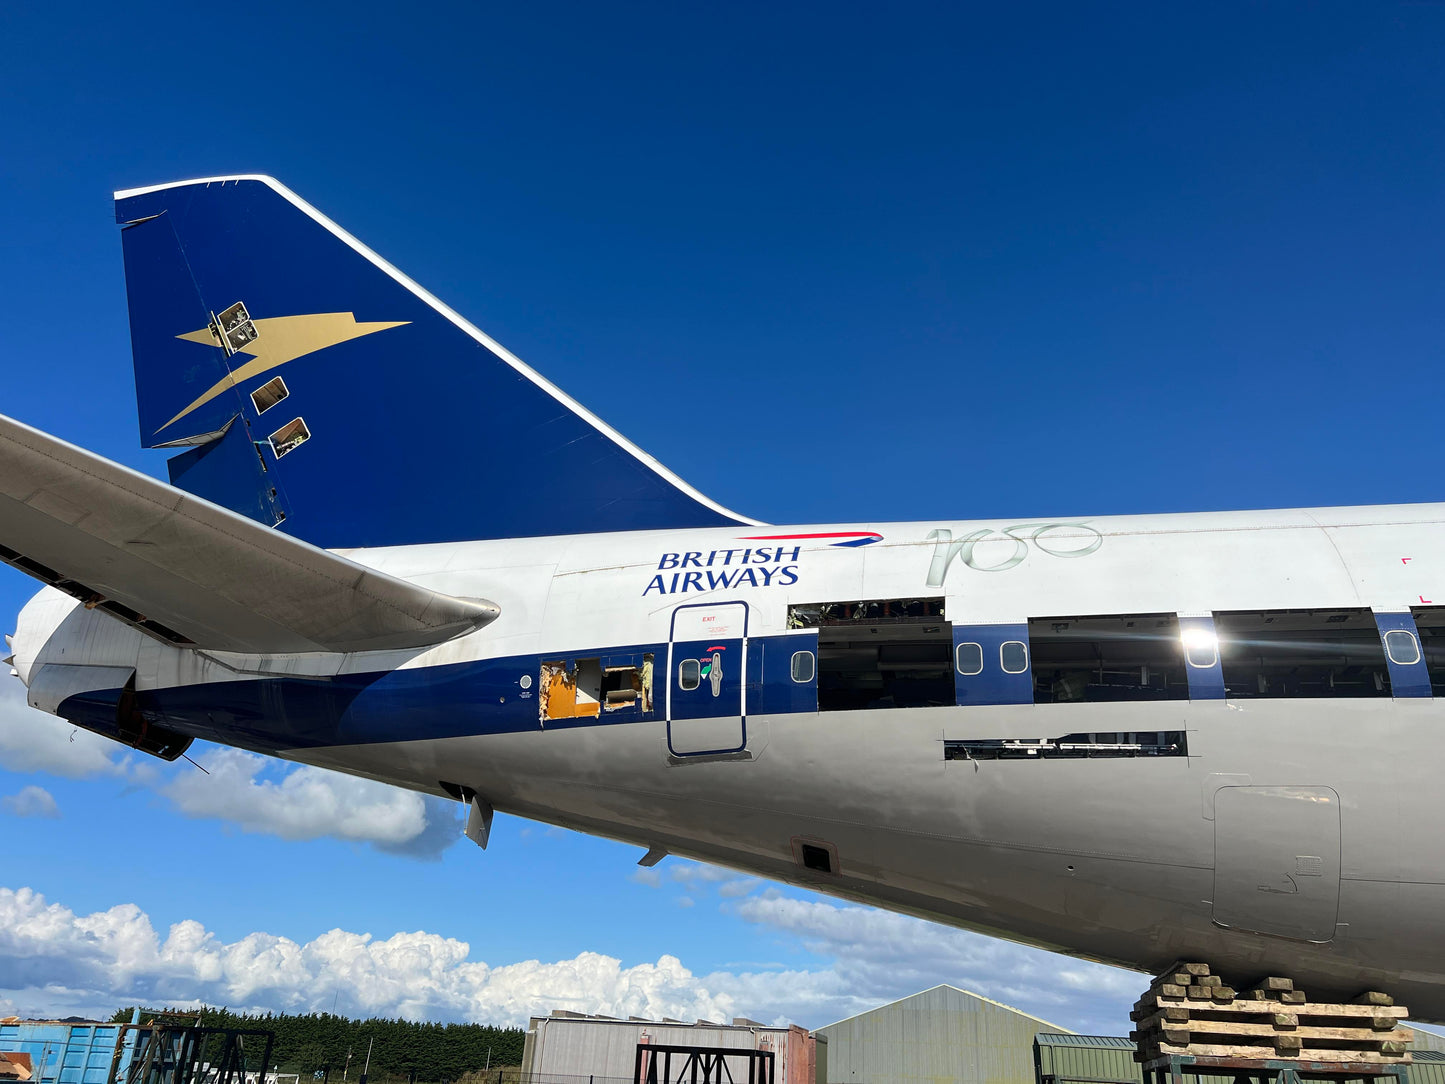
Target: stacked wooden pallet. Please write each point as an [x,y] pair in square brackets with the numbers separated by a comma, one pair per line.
[1189,1011]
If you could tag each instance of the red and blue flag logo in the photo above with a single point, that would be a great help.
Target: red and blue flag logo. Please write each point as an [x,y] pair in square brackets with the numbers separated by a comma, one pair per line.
[839,538]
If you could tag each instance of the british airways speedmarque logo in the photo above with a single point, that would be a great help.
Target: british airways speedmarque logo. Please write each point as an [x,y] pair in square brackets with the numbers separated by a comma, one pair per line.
[273,341]
[838,538]
[750,566]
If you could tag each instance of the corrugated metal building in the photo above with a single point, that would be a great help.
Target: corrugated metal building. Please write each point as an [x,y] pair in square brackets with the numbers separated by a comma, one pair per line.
[1095,1059]
[943,1034]
[1427,1040]
[66,1052]
[573,1048]
[1104,1059]
[1428,1067]
[1085,1059]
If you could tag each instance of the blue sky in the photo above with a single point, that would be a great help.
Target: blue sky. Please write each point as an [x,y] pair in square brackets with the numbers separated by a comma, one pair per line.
[965,260]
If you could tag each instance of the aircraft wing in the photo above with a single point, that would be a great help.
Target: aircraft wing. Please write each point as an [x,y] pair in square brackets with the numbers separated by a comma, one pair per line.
[193,573]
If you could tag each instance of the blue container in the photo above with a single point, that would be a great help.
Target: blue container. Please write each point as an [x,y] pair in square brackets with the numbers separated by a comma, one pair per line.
[69,1053]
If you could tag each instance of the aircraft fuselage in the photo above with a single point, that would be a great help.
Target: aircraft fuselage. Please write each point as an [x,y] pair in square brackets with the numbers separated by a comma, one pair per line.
[1133,739]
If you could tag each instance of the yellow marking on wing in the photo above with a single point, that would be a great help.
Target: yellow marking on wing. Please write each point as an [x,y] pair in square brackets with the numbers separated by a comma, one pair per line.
[280,339]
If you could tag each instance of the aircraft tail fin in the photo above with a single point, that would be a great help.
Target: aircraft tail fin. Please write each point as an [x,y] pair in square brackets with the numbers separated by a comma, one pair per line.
[313,387]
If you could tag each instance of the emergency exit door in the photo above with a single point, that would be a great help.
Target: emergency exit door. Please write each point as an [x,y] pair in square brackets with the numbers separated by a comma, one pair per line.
[707,667]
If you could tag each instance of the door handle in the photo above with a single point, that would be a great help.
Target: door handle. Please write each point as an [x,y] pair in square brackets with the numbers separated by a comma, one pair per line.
[715,675]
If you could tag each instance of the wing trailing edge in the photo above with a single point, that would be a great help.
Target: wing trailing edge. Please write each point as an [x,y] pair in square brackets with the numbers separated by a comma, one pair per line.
[188,571]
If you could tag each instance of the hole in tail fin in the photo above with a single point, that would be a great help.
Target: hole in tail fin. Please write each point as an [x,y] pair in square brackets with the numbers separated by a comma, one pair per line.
[289,437]
[269,394]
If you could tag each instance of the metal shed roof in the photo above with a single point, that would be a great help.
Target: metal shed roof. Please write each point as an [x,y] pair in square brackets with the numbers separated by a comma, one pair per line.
[935,989]
[1110,1042]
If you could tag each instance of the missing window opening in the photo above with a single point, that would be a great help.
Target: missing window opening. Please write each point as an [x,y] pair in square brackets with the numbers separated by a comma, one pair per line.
[1274,654]
[813,615]
[571,692]
[269,394]
[886,653]
[1430,623]
[1107,659]
[1163,743]
[289,437]
[625,687]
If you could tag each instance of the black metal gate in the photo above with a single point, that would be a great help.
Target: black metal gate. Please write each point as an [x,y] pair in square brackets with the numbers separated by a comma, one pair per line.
[702,1065]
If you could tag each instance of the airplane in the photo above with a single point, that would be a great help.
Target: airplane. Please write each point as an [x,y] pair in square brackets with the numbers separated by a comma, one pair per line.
[1133,739]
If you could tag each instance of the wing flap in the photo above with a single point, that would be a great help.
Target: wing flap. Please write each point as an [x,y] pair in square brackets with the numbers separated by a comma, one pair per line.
[191,572]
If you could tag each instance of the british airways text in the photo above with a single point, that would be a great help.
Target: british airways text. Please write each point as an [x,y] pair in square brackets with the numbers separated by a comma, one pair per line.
[715,570]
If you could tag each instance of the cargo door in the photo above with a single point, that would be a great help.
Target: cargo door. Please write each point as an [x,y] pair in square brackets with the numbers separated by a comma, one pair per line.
[1277,861]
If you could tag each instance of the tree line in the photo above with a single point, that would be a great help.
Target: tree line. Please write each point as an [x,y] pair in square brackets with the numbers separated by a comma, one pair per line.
[400,1049]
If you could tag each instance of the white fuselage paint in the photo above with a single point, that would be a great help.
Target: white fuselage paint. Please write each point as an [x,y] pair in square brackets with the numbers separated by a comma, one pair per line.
[1109,859]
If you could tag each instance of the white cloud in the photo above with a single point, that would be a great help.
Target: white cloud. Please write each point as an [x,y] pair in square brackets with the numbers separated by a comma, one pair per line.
[253,792]
[740,886]
[31,802]
[34,741]
[878,956]
[309,803]
[55,962]
[696,874]
[867,957]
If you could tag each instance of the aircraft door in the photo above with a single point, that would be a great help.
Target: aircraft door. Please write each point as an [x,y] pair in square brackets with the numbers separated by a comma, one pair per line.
[1277,861]
[706,679]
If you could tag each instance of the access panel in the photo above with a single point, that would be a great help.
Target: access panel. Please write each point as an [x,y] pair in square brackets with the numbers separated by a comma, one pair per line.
[1277,861]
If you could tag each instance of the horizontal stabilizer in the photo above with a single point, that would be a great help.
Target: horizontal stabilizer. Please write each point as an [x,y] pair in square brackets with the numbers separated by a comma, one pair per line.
[190,572]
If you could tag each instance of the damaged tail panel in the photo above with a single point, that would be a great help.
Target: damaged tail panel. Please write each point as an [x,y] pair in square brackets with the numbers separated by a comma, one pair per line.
[310,385]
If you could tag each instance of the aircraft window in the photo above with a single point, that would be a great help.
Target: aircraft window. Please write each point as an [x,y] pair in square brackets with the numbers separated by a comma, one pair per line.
[1402,647]
[1201,647]
[1013,657]
[803,666]
[289,437]
[969,658]
[1108,659]
[1301,653]
[689,675]
[571,692]
[269,394]
[886,653]
[1430,623]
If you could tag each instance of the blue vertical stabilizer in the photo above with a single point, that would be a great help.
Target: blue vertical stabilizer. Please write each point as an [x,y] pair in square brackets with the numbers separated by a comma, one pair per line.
[320,390]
